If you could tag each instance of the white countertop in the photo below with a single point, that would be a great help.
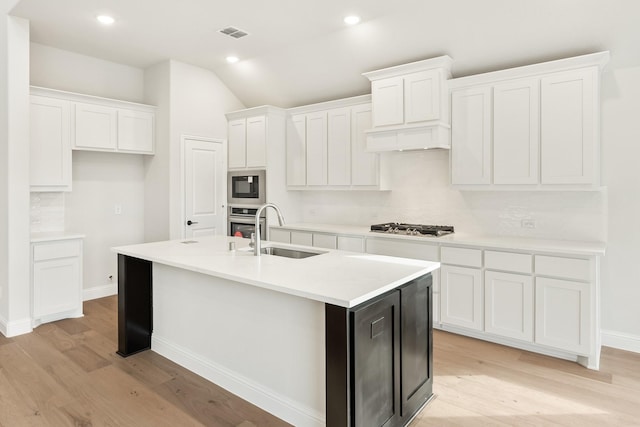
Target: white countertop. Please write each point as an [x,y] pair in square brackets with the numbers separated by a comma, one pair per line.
[52,236]
[336,277]
[459,239]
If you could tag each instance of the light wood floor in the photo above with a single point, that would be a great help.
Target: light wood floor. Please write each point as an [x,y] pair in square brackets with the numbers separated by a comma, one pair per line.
[67,374]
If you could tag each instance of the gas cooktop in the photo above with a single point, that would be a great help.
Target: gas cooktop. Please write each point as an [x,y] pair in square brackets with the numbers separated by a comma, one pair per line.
[413,229]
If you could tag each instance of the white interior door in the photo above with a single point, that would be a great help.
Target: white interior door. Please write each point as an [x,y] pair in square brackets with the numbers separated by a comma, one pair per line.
[204,187]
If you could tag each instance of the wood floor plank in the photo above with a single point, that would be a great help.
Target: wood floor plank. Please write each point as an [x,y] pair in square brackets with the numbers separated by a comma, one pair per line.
[67,374]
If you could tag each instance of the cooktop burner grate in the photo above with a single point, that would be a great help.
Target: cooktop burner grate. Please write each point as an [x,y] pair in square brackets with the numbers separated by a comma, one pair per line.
[412,229]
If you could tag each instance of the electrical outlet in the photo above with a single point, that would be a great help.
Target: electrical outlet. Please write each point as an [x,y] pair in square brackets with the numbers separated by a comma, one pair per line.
[117,209]
[528,223]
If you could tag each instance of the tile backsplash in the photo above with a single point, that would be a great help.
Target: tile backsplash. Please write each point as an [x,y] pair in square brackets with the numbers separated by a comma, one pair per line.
[47,212]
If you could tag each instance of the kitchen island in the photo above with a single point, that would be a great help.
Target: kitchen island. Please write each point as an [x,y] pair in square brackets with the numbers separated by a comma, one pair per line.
[315,341]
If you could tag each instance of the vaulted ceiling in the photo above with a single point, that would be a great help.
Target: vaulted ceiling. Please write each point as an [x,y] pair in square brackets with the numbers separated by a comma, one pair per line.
[300,51]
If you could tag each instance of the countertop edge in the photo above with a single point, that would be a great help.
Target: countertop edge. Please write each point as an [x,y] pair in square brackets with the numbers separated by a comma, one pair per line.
[39,237]
[516,243]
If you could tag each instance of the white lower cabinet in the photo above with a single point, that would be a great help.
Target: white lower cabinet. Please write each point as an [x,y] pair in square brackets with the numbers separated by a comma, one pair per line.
[461,297]
[351,244]
[508,305]
[56,280]
[303,238]
[326,241]
[278,235]
[563,314]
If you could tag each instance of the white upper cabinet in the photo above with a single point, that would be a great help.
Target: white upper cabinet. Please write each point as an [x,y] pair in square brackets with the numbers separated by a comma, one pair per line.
[317,148]
[388,101]
[471,136]
[364,164]
[569,126]
[96,127]
[256,142]
[327,148]
[135,131]
[410,106]
[339,146]
[237,143]
[539,130]
[50,144]
[422,96]
[516,132]
[248,135]
[296,151]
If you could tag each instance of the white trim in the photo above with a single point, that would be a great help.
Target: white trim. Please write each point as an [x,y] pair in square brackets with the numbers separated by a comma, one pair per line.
[278,405]
[443,61]
[328,105]
[12,329]
[620,340]
[99,291]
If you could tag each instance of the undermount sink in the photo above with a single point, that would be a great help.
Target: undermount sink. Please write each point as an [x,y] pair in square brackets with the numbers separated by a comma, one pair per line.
[288,253]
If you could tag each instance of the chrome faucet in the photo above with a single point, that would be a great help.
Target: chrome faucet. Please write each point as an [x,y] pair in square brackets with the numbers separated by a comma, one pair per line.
[257,245]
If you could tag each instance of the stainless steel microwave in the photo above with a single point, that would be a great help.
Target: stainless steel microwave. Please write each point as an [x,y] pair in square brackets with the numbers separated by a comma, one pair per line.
[246,187]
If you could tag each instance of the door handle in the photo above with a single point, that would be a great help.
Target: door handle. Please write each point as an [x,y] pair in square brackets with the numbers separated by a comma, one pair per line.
[191,222]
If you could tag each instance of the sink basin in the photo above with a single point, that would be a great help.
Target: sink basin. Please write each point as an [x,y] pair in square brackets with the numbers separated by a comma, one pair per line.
[288,253]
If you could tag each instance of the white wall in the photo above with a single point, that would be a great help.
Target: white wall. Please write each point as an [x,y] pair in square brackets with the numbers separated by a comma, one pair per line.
[621,151]
[63,70]
[100,180]
[156,195]
[421,194]
[14,196]
[191,101]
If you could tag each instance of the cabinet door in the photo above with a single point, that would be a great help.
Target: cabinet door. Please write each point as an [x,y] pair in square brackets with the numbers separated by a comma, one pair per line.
[516,132]
[317,148]
[422,96]
[461,299]
[56,286]
[364,165]
[563,317]
[326,241]
[417,344]
[135,131]
[569,127]
[237,143]
[296,150]
[508,307]
[387,96]
[256,142]
[352,244]
[339,146]
[50,144]
[471,136]
[303,238]
[96,127]
[376,337]
[277,235]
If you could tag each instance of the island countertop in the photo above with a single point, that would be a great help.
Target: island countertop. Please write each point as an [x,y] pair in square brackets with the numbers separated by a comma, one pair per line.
[335,277]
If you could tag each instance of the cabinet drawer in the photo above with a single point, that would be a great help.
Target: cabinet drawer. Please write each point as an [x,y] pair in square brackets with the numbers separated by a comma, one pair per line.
[461,256]
[508,261]
[301,238]
[352,244]
[326,241]
[402,249]
[278,235]
[55,250]
[569,268]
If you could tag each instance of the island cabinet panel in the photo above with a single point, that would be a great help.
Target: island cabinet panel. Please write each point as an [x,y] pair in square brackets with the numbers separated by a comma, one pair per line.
[379,357]
[135,322]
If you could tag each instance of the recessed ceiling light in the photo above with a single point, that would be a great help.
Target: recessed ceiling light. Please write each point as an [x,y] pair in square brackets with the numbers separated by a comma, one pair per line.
[232,59]
[351,19]
[105,19]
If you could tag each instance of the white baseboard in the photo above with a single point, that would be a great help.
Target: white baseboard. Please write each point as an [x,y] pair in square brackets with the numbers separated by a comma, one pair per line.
[15,328]
[621,340]
[274,403]
[99,291]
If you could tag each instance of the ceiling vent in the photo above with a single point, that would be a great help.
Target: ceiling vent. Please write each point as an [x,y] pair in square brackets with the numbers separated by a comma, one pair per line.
[233,32]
